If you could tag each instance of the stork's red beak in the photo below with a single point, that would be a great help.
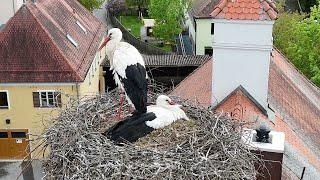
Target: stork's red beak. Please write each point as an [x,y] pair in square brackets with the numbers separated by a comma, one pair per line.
[106,40]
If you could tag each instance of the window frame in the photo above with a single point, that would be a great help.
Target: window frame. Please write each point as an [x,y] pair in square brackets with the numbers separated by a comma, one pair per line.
[8,100]
[208,48]
[47,98]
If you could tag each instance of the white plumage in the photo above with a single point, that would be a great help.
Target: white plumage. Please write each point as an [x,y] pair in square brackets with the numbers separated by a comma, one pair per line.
[125,59]
[166,113]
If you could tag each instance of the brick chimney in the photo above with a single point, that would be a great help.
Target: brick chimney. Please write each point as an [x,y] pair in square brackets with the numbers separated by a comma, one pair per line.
[270,151]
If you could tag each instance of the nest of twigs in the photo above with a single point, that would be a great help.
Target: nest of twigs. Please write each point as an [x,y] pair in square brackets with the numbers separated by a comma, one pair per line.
[207,147]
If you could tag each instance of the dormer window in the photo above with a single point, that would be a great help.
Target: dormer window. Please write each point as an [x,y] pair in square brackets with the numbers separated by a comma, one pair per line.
[70,38]
[82,27]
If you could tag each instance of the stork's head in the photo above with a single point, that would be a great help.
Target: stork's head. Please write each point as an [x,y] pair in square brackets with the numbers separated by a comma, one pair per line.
[164,100]
[113,34]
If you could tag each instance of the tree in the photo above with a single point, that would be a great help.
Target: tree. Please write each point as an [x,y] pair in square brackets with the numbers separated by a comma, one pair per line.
[115,6]
[91,4]
[307,4]
[299,40]
[168,15]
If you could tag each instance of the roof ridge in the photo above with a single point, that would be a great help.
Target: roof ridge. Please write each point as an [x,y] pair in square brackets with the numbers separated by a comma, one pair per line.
[54,44]
[248,95]
[218,8]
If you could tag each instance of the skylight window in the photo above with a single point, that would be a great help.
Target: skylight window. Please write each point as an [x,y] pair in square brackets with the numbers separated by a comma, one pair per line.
[72,40]
[82,27]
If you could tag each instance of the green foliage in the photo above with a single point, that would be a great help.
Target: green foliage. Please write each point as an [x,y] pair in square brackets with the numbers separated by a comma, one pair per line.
[91,4]
[168,15]
[299,40]
[133,23]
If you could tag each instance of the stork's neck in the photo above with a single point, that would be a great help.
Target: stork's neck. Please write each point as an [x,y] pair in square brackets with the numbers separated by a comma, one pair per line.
[110,48]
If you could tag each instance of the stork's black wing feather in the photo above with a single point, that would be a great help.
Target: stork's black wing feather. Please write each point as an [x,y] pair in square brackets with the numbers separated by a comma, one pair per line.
[131,129]
[135,85]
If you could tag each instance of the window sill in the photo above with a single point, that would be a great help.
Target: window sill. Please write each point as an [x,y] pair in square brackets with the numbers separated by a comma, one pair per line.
[4,107]
[48,107]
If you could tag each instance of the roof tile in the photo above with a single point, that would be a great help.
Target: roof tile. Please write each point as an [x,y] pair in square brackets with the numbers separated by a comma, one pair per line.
[291,95]
[37,33]
[259,10]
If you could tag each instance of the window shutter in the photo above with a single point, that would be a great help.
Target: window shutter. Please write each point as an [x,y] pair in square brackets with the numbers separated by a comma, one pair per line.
[57,95]
[36,100]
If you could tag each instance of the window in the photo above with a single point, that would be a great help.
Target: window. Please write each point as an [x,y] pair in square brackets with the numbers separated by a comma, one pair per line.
[4,100]
[212,28]
[82,27]
[18,135]
[47,99]
[92,69]
[70,38]
[3,135]
[208,51]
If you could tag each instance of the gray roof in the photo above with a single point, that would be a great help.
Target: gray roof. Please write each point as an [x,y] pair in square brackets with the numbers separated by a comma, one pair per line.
[203,8]
[172,60]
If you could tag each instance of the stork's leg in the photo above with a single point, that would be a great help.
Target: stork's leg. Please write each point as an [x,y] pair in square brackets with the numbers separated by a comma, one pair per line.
[121,105]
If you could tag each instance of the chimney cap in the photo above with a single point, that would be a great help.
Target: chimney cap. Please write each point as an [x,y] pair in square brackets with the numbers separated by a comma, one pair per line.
[275,145]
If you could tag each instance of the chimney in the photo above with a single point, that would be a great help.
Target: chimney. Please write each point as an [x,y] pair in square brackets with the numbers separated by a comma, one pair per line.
[241,56]
[269,149]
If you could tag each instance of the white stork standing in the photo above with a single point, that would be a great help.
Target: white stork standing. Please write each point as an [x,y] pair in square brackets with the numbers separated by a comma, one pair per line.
[129,70]
[164,113]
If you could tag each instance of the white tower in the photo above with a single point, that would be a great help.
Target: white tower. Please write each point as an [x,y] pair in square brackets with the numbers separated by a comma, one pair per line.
[241,48]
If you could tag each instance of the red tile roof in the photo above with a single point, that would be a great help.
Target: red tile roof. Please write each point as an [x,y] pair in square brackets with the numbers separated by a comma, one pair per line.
[294,99]
[235,9]
[34,45]
[200,93]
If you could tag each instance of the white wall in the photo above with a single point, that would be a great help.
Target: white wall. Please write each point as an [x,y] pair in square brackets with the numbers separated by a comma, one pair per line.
[203,35]
[241,51]
[8,8]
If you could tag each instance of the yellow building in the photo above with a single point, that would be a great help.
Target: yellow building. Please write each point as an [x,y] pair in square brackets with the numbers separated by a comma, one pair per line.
[48,53]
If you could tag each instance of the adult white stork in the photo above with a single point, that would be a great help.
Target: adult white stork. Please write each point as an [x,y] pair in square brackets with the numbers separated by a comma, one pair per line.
[128,68]
[164,113]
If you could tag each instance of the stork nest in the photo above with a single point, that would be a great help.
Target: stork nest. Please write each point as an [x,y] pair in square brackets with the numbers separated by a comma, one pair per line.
[207,147]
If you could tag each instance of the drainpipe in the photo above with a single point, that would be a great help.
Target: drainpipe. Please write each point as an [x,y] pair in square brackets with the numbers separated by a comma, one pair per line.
[13,6]
[77,89]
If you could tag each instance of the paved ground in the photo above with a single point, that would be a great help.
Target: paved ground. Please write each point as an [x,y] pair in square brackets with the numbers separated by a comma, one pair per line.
[16,170]
[102,15]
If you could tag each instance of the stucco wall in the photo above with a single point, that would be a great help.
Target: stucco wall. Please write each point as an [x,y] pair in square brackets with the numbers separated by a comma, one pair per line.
[203,35]
[8,8]
[241,57]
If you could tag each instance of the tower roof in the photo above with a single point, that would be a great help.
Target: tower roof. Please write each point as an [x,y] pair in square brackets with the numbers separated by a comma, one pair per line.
[235,9]
[43,42]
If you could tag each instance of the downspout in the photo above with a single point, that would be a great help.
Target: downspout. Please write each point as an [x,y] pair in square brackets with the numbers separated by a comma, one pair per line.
[77,89]
[13,6]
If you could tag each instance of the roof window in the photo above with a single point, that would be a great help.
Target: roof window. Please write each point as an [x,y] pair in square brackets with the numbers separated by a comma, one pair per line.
[72,40]
[82,27]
